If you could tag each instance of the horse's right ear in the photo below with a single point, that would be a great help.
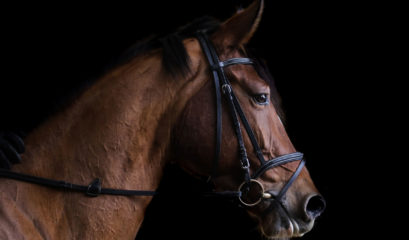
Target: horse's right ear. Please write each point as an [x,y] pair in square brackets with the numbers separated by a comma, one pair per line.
[239,29]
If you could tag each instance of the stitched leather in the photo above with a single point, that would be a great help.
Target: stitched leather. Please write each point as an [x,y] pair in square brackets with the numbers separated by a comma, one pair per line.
[275,162]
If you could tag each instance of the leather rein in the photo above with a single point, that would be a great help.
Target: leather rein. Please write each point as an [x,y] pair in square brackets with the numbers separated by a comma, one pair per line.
[222,86]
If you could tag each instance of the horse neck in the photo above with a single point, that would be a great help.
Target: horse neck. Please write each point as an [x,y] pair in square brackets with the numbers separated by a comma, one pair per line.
[118,130]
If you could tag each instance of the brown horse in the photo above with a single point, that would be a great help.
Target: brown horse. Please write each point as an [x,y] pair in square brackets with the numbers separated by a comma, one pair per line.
[127,126]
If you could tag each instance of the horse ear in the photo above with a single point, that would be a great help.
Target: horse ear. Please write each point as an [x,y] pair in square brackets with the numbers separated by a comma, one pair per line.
[239,29]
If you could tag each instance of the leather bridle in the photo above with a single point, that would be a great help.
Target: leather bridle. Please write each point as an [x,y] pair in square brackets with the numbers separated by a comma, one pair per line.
[250,183]
[223,86]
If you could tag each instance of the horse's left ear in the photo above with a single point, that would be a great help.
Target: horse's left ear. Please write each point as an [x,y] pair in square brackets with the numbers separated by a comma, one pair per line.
[239,29]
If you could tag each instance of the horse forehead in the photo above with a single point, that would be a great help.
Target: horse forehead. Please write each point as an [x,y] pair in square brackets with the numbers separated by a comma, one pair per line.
[243,73]
[247,77]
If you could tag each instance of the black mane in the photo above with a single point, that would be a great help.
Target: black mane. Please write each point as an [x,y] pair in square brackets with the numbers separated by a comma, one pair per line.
[175,59]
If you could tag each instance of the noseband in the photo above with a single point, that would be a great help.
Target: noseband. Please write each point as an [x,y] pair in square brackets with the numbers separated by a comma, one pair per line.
[223,86]
[250,183]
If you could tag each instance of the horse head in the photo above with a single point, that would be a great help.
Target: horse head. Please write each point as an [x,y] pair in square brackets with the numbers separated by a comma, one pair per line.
[294,213]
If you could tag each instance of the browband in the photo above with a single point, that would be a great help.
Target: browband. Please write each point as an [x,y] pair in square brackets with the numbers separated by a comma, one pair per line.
[234,61]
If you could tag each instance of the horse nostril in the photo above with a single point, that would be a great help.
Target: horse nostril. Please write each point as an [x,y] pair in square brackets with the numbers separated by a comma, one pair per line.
[315,206]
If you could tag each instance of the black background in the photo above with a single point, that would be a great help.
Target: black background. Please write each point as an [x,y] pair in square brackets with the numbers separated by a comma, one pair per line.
[318,54]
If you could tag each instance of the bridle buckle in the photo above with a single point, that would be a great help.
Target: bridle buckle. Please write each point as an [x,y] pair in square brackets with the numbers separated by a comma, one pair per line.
[94,189]
[226,88]
[245,165]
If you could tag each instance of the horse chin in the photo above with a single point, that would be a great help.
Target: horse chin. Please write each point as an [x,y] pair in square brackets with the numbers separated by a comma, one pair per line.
[279,225]
[285,230]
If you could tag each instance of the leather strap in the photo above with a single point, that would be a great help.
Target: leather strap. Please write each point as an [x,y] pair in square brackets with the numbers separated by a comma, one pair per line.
[249,131]
[275,162]
[94,189]
[234,61]
[228,194]
[290,182]
[209,57]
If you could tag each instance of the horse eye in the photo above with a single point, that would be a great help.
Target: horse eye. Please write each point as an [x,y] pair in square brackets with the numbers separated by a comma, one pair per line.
[261,99]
